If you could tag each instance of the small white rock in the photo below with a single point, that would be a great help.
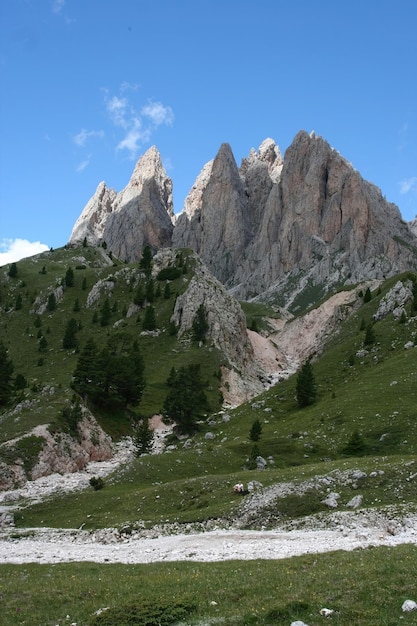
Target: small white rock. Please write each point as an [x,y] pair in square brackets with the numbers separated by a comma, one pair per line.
[326,612]
[409,605]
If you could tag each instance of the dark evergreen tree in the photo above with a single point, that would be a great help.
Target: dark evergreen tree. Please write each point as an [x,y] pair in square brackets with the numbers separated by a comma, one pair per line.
[139,297]
[142,437]
[37,322]
[255,431]
[69,277]
[369,338]
[167,292]
[149,319]
[6,372]
[253,463]
[70,336]
[19,302]
[13,270]
[367,295]
[51,304]
[87,375]
[200,324]
[43,345]
[105,313]
[76,308]
[84,284]
[356,445]
[150,290]
[186,400]
[305,389]
[85,242]
[20,382]
[146,261]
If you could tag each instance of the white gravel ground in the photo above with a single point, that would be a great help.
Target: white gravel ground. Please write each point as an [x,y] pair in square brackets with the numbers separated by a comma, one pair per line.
[343,531]
[56,546]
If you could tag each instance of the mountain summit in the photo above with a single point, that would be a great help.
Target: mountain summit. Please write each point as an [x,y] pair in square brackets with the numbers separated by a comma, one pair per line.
[276,229]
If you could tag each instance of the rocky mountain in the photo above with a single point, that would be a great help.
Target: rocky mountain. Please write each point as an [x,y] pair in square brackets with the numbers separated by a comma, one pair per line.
[141,214]
[285,230]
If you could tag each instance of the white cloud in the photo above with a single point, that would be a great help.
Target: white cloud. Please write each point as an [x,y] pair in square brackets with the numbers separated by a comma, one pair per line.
[12,250]
[58,5]
[138,124]
[117,107]
[81,166]
[81,137]
[158,113]
[408,184]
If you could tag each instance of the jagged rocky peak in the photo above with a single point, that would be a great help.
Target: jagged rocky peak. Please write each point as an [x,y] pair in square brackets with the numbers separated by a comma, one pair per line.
[269,154]
[141,214]
[93,218]
[217,226]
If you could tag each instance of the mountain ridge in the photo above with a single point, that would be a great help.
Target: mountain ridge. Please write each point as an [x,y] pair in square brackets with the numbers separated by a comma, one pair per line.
[268,229]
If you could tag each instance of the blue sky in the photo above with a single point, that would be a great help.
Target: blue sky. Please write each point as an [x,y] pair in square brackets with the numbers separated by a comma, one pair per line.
[89,85]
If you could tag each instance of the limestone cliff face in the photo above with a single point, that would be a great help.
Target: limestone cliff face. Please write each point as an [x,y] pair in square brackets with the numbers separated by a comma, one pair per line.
[282,230]
[216,222]
[140,215]
[305,223]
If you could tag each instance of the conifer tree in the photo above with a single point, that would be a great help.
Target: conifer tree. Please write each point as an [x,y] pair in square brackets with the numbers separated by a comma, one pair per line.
[200,324]
[306,386]
[186,400]
[70,336]
[149,319]
[6,372]
[255,431]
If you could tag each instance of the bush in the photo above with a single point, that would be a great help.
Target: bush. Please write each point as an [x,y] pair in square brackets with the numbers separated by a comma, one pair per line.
[146,614]
[96,483]
[169,273]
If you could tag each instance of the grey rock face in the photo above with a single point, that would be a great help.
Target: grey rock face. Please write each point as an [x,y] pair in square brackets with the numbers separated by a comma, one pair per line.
[280,230]
[225,318]
[140,215]
[216,222]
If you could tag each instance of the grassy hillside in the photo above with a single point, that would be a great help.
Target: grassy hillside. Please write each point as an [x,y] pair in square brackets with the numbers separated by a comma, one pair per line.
[34,336]
[359,437]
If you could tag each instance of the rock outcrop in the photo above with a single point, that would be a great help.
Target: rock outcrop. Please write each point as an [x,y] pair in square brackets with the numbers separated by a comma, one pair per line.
[304,224]
[286,230]
[141,214]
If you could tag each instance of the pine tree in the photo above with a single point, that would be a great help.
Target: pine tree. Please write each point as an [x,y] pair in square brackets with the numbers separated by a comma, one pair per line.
[70,336]
[105,313]
[255,431]
[13,270]
[76,308]
[200,324]
[51,305]
[369,338]
[19,302]
[139,297]
[306,386]
[143,437]
[69,277]
[149,319]
[146,261]
[87,375]
[6,372]
[186,400]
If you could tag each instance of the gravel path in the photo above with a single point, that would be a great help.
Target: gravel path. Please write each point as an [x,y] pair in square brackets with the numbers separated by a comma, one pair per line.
[58,546]
[340,531]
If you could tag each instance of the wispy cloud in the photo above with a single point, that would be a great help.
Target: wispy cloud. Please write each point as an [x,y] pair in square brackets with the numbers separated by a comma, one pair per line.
[408,184]
[12,250]
[58,5]
[138,124]
[81,138]
[81,166]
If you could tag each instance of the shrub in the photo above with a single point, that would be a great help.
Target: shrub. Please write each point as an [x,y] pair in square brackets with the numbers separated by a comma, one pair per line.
[97,484]
[145,614]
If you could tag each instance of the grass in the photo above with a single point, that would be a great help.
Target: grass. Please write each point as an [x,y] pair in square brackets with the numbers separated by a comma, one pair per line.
[363,587]
[372,393]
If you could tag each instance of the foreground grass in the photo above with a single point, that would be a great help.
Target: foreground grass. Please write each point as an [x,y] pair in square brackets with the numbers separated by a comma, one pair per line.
[363,587]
